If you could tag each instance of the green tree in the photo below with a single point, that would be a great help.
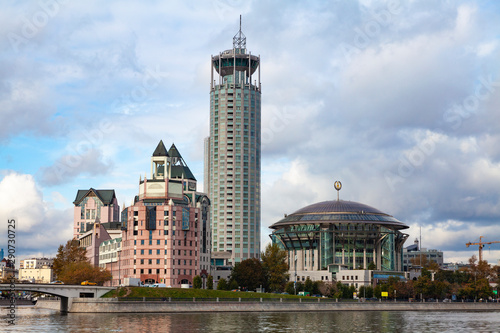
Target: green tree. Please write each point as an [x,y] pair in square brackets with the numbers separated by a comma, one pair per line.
[70,253]
[422,286]
[249,274]
[365,291]
[372,266]
[233,285]
[210,282]
[309,286]
[289,288]
[274,262]
[222,284]
[197,282]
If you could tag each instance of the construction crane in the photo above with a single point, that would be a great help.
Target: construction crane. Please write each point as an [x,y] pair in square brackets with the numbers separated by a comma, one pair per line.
[481,245]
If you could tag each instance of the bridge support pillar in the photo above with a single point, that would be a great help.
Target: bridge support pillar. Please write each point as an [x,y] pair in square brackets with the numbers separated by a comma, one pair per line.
[66,303]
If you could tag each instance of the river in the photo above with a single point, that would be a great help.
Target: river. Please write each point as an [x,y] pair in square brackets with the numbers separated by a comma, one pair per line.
[29,319]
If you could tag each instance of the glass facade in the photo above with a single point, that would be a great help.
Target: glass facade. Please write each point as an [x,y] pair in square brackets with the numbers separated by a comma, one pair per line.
[233,166]
[353,240]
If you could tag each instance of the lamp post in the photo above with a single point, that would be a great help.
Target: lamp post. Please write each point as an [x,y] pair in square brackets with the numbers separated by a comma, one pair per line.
[119,268]
[295,280]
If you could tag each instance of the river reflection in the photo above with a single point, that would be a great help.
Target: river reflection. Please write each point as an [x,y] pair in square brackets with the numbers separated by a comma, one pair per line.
[40,320]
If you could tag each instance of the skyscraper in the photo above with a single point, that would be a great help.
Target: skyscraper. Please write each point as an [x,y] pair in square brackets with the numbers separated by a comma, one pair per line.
[233,165]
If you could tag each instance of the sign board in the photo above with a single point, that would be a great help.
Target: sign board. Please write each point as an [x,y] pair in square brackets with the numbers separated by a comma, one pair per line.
[385,294]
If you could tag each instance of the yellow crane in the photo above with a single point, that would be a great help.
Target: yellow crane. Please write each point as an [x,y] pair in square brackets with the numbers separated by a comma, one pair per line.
[481,245]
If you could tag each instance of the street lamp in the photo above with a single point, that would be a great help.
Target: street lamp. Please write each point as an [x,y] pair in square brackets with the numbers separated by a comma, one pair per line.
[295,280]
[119,268]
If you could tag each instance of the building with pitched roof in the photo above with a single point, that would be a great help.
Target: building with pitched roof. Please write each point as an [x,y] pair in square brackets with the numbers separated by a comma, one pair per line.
[166,232]
[93,206]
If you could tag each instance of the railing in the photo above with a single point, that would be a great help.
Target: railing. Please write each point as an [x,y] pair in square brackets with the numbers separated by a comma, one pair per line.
[270,300]
[235,300]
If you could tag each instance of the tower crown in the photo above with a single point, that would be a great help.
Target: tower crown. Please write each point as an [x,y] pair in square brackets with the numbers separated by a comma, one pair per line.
[239,40]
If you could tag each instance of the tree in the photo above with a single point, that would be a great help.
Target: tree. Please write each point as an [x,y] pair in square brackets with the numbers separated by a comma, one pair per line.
[222,284]
[70,253]
[309,286]
[77,272]
[365,291]
[210,282]
[289,288]
[425,263]
[249,274]
[233,285]
[372,266]
[274,261]
[71,266]
[197,282]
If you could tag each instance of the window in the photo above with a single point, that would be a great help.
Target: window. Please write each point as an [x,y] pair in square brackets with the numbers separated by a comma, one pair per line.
[142,241]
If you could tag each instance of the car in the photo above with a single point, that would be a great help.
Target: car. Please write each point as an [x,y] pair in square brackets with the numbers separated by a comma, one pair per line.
[88,283]
[57,282]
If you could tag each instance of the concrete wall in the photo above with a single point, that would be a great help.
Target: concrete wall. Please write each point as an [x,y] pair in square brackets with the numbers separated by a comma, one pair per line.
[48,304]
[112,305]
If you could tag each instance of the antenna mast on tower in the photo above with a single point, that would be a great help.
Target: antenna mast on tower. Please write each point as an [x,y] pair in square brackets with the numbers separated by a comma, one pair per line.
[239,40]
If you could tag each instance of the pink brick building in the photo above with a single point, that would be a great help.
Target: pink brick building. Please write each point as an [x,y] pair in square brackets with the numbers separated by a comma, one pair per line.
[93,206]
[166,233]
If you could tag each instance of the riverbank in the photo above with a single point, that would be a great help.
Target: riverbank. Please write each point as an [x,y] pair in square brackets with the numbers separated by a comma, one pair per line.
[113,305]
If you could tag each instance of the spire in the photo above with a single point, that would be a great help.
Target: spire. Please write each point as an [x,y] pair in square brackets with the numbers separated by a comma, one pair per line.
[160,150]
[179,167]
[239,40]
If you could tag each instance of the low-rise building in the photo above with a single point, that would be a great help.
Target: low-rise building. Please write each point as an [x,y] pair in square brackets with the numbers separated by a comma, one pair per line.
[36,275]
[96,234]
[220,266]
[36,270]
[110,259]
[413,253]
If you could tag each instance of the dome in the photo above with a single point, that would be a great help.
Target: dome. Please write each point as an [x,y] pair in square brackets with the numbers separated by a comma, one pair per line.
[338,206]
[327,212]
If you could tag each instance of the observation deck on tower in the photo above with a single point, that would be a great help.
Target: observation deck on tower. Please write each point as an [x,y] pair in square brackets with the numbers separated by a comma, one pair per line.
[236,62]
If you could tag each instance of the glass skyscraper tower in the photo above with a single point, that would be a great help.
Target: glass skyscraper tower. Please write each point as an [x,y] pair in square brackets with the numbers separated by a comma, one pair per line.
[232,152]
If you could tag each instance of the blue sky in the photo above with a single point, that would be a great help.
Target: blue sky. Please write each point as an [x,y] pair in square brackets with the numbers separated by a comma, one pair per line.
[398,100]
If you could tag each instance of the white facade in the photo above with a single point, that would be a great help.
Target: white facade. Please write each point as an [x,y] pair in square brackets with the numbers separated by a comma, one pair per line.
[36,275]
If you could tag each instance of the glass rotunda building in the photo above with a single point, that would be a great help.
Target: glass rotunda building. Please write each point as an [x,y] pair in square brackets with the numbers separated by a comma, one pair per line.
[327,236]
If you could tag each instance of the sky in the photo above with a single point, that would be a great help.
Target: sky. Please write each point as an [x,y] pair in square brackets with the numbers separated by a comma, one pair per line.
[398,100]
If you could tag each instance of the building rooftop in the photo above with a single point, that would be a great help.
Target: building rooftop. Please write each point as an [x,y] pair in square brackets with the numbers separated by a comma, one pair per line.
[339,211]
[106,196]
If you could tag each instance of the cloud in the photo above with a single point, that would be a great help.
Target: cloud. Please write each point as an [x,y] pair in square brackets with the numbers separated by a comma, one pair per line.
[70,166]
[38,226]
[410,102]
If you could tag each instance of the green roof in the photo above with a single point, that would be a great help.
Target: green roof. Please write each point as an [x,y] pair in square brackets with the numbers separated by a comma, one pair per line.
[106,196]
[179,168]
[180,171]
[173,152]
[160,150]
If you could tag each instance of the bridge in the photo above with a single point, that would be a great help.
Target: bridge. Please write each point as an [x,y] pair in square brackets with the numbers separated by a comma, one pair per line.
[65,291]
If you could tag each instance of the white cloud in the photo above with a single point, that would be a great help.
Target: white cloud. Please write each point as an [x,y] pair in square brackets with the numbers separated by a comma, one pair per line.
[39,226]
